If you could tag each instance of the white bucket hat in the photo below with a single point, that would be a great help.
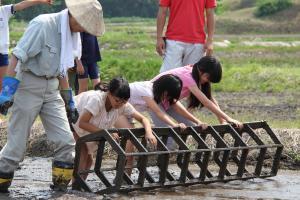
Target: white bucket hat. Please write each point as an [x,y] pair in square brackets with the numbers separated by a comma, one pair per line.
[89,14]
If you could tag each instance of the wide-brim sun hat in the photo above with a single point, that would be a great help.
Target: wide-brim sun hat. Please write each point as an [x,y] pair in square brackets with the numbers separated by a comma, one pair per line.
[89,14]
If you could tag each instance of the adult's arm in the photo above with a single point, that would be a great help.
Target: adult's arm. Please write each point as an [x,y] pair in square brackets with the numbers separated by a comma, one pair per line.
[210,17]
[160,24]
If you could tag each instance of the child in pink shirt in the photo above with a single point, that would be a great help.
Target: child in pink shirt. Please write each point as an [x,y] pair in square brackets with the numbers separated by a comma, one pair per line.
[196,86]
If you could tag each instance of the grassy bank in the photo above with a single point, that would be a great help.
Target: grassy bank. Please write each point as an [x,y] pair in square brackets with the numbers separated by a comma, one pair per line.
[131,51]
[128,49]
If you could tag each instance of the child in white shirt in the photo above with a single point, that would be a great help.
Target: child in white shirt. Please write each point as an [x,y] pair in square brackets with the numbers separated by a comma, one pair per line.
[100,110]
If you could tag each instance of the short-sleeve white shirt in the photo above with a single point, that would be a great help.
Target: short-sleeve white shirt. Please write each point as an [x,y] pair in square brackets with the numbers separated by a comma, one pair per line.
[94,102]
[5,14]
[138,90]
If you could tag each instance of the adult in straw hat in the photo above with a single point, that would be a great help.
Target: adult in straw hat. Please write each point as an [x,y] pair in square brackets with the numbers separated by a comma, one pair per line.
[44,53]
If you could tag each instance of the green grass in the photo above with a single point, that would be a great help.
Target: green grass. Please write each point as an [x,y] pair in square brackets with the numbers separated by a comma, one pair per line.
[258,78]
[131,52]
[129,19]
[128,49]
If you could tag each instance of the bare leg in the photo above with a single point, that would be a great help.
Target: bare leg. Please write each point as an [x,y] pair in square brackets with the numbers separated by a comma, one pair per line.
[95,81]
[85,161]
[130,159]
[83,85]
[3,70]
[123,122]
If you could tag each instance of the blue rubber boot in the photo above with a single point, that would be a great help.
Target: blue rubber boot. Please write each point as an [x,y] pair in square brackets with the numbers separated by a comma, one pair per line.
[71,109]
[9,88]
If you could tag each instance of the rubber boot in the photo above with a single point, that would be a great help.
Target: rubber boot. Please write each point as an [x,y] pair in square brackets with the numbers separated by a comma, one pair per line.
[9,88]
[72,112]
[62,174]
[5,181]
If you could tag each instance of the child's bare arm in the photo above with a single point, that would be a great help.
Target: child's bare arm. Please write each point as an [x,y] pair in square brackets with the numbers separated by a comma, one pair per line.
[84,122]
[180,109]
[221,120]
[28,3]
[161,115]
[148,130]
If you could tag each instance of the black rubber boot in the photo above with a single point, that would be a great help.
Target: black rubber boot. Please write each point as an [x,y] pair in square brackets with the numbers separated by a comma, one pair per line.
[5,181]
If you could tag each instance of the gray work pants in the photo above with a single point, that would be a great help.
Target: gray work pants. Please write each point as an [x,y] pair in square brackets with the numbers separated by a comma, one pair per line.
[37,96]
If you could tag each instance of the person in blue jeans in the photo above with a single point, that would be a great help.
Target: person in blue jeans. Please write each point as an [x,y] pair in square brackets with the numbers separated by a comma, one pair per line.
[87,66]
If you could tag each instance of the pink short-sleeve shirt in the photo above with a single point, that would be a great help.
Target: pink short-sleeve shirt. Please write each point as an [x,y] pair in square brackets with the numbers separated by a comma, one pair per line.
[185,74]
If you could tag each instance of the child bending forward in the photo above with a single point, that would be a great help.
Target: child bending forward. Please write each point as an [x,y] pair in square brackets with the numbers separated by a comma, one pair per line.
[100,110]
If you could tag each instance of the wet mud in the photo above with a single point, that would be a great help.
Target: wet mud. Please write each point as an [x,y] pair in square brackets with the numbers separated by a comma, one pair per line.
[257,106]
[32,181]
[33,178]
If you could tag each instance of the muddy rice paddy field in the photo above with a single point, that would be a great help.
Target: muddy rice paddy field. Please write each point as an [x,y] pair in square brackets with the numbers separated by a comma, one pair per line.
[266,64]
[33,178]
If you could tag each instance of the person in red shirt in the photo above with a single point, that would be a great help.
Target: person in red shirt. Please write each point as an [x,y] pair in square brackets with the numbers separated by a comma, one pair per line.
[186,40]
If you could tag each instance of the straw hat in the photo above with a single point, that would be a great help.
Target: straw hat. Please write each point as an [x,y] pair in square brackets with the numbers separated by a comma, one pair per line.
[89,14]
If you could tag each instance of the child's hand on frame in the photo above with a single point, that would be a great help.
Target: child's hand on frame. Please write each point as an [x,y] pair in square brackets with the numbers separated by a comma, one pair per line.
[116,136]
[203,125]
[49,2]
[151,139]
[235,123]
[182,126]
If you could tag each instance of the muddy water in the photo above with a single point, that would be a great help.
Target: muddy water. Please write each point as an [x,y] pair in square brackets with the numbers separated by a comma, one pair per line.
[32,181]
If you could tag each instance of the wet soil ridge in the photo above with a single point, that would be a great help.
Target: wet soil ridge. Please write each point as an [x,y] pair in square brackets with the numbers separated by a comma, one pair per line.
[39,146]
[281,107]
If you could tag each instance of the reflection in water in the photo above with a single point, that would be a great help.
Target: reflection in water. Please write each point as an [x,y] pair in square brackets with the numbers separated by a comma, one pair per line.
[33,179]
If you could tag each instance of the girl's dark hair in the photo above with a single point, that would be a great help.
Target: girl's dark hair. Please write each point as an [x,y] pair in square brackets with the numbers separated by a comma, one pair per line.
[210,65]
[167,83]
[118,87]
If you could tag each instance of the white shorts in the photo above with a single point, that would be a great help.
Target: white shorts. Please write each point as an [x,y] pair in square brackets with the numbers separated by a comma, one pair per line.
[179,54]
